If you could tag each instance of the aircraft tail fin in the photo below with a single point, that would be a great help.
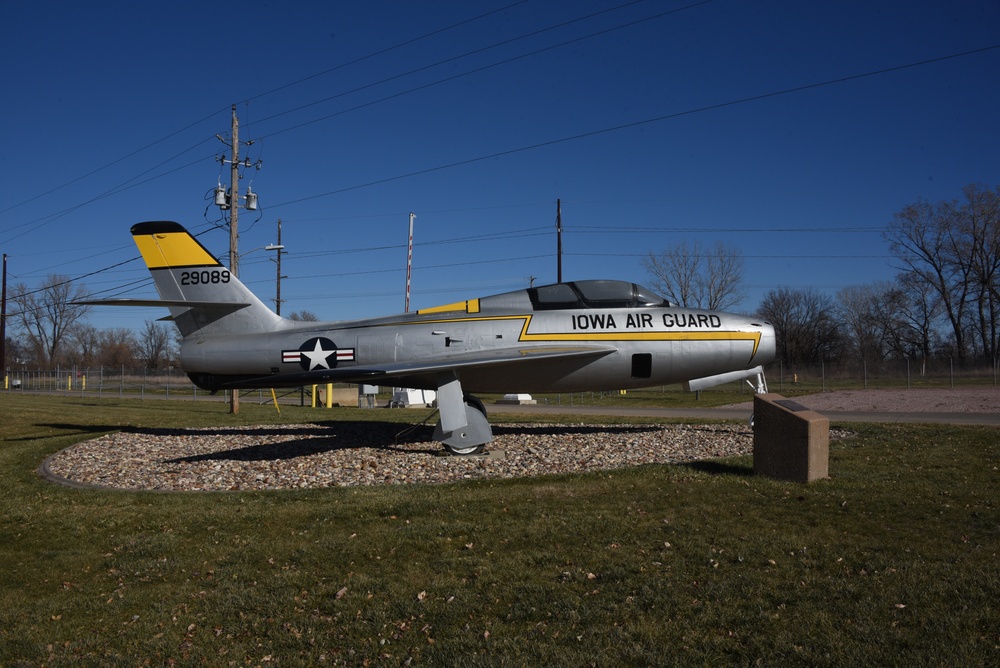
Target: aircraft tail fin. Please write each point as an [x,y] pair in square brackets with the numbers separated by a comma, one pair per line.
[203,296]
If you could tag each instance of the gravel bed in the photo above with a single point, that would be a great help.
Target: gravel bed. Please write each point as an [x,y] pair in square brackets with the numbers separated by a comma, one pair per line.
[367,453]
[378,453]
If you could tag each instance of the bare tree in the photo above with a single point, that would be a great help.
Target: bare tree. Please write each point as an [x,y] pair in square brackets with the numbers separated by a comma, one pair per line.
[911,331]
[304,316]
[860,309]
[16,353]
[86,343]
[673,272]
[888,320]
[694,276]
[954,247]
[920,238]
[153,344]
[806,328]
[978,224]
[47,314]
[117,347]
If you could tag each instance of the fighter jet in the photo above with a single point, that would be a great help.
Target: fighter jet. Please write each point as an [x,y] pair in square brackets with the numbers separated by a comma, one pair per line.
[589,335]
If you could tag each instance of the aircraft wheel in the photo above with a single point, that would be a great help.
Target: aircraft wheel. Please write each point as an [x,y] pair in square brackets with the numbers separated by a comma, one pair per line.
[471,402]
[464,452]
[476,403]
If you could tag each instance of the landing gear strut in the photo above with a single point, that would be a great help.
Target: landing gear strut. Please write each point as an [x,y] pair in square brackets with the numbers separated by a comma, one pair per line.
[759,388]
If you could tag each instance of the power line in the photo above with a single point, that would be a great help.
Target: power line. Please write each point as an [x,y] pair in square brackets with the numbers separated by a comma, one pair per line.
[467,54]
[382,52]
[592,133]
[796,256]
[448,265]
[35,224]
[110,164]
[639,123]
[216,112]
[529,232]
[597,229]
[476,70]
[82,276]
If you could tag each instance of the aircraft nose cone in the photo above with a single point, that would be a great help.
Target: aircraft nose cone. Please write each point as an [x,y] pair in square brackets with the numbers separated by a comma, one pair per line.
[766,350]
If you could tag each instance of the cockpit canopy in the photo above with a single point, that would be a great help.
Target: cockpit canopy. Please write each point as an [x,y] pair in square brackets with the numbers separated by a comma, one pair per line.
[593,294]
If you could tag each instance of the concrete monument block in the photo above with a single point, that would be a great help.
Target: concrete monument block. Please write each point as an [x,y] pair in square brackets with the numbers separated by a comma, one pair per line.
[790,441]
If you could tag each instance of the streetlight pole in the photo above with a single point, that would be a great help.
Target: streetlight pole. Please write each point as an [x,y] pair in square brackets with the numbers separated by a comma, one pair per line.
[277,290]
[409,264]
[558,241]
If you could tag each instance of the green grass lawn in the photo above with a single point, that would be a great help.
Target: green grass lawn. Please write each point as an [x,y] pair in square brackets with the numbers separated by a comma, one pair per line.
[892,561]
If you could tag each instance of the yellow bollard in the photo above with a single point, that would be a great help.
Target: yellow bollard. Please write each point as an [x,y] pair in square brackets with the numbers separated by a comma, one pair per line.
[313,397]
[329,395]
[83,381]
[69,383]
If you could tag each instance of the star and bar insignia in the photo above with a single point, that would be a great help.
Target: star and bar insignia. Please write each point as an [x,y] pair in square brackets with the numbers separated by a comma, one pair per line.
[318,353]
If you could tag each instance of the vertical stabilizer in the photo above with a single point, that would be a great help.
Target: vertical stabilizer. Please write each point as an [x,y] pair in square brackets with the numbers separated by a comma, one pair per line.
[203,296]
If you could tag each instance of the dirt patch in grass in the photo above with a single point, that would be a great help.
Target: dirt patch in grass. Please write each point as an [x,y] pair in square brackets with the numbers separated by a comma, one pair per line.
[957,400]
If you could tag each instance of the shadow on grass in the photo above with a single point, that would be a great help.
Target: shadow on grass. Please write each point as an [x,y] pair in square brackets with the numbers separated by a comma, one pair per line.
[280,443]
[714,467]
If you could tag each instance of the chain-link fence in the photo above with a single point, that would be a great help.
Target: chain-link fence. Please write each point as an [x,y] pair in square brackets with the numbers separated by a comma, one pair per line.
[861,374]
[104,381]
[854,374]
[141,383]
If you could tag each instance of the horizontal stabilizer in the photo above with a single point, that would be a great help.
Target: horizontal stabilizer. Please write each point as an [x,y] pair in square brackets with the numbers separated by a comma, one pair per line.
[230,306]
[711,381]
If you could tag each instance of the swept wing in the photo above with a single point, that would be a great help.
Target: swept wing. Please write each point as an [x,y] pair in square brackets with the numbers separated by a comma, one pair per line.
[433,367]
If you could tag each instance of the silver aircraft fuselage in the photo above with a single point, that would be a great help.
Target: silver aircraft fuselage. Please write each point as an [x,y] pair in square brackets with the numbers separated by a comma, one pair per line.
[616,346]
[581,336]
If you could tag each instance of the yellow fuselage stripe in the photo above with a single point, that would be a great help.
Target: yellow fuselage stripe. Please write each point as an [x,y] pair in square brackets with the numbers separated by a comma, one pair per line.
[470,306]
[753,337]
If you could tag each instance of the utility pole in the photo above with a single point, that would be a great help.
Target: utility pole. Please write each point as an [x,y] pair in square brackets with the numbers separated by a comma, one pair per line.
[230,201]
[234,237]
[234,194]
[3,320]
[558,241]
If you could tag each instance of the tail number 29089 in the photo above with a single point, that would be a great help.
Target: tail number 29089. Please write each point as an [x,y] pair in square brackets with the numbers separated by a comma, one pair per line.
[204,277]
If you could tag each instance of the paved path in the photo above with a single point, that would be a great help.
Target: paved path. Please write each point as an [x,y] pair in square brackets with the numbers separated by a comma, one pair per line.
[744,414]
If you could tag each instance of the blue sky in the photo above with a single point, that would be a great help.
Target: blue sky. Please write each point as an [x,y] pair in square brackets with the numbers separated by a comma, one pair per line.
[653,122]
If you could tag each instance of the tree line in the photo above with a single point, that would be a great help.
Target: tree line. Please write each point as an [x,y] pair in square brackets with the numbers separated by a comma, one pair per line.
[944,302]
[50,331]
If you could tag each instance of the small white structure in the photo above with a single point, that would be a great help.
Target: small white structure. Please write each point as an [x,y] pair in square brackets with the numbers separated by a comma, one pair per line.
[517,399]
[403,397]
